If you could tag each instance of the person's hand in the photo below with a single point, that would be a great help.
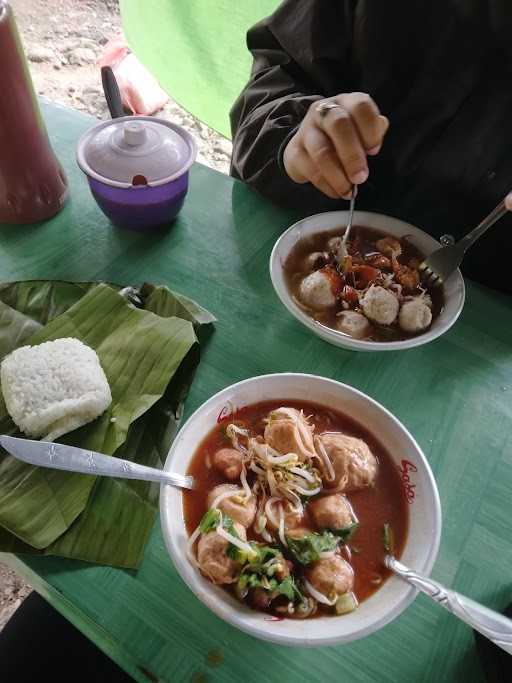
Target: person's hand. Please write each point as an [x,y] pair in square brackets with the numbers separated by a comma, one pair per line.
[329,149]
[508,201]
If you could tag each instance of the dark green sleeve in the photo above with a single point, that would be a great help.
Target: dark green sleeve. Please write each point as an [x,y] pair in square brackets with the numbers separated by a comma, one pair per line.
[301,54]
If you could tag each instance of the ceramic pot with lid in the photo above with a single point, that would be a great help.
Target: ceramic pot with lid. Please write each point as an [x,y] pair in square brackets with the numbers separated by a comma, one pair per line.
[137,169]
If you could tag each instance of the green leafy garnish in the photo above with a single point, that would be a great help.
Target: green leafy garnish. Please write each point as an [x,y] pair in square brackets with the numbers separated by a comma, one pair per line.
[387,538]
[211,520]
[258,556]
[308,548]
[289,588]
[259,569]
[345,533]
[286,587]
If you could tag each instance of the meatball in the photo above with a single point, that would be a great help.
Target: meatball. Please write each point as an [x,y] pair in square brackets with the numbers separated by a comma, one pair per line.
[260,598]
[378,261]
[408,278]
[292,518]
[316,260]
[334,244]
[316,291]
[237,507]
[380,305]
[414,316]
[389,246]
[288,431]
[228,461]
[331,577]
[354,324]
[331,512]
[212,559]
[355,466]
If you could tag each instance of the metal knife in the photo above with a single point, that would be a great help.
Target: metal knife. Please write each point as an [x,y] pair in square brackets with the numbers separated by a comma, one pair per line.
[60,457]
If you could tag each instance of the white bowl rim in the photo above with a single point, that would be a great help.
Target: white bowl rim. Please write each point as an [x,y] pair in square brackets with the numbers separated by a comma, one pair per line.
[337,338]
[223,610]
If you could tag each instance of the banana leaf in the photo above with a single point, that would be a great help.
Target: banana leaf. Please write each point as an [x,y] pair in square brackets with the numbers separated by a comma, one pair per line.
[149,359]
[43,300]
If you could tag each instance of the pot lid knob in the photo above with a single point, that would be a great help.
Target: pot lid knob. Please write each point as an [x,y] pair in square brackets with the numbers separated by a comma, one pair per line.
[134,134]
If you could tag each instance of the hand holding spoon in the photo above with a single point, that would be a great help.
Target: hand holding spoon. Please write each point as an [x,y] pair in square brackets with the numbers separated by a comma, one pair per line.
[342,251]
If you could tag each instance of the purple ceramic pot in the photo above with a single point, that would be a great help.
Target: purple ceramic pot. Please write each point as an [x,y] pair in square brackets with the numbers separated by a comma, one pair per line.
[141,207]
[137,169]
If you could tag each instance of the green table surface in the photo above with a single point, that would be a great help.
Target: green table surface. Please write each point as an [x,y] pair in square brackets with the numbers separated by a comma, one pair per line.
[455,395]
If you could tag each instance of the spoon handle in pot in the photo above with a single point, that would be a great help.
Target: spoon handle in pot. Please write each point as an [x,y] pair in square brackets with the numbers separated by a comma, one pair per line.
[489,623]
[111,91]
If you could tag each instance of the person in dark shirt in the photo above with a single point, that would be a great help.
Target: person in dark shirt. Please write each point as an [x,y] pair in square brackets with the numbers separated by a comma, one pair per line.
[422,122]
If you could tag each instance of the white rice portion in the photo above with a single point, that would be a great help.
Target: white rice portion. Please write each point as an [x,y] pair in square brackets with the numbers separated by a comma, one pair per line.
[53,388]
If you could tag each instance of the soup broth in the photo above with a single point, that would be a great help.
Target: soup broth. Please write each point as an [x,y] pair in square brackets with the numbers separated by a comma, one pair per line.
[368,266]
[377,507]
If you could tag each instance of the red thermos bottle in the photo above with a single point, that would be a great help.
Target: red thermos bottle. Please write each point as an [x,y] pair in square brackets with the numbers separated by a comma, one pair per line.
[33,186]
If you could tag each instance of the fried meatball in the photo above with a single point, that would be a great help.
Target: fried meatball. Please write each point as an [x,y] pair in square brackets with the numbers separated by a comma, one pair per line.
[334,244]
[414,316]
[354,324]
[260,598]
[408,278]
[237,507]
[212,559]
[331,577]
[380,305]
[331,512]
[292,518]
[389,246]
[316,291]
[228,461]
[288,431]
[355,466]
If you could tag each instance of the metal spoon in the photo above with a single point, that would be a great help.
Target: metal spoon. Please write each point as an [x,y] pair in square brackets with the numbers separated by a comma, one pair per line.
[489,623]
[60,457]
[343,251]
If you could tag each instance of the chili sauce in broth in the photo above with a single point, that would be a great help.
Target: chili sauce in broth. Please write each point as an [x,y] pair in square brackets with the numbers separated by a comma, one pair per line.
[295,270]
[383,503]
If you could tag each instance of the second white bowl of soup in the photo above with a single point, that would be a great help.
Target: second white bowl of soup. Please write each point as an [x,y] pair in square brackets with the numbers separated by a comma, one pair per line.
[375,302]
[316,576]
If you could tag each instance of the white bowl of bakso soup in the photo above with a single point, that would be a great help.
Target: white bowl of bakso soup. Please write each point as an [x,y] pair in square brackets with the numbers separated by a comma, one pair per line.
[366,295]
[304,484]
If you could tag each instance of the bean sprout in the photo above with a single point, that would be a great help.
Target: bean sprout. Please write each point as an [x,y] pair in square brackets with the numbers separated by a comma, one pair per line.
[307,492]
[319,597]
[324,458]
[266,536]
[245,485]
[308,476]
[226,494]
[232,432]
[233,539]
[269,512]
[282,537]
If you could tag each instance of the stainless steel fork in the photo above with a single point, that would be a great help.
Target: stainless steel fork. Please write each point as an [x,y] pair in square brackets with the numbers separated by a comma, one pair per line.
[436,268]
